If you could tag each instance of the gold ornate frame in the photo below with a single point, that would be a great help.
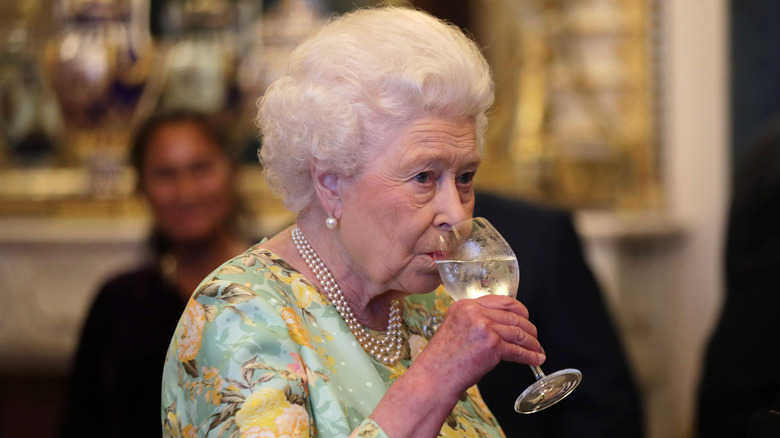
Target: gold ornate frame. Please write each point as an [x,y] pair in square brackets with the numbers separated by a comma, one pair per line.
[575,116]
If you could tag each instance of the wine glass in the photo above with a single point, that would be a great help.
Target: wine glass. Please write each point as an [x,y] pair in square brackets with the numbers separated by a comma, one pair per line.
[474,260]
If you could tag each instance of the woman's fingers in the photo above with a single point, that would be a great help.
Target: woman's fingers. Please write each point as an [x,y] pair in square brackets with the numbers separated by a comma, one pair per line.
[508,318]
[520,346]
[501,302]
[474,336]
[499,325]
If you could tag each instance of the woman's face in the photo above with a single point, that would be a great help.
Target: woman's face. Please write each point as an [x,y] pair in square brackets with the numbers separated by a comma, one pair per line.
[188,182]
[413,188]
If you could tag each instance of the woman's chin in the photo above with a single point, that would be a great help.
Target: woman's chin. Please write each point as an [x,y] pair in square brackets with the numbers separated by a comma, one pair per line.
[192,236]
[425,284]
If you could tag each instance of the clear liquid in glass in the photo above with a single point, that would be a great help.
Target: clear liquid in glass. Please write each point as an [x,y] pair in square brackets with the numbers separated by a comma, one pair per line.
[473,279]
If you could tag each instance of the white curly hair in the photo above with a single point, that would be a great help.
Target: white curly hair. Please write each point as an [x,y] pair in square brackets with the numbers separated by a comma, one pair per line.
[354,80]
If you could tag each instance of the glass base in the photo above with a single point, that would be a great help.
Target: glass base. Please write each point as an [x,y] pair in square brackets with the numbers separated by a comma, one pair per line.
[548,391]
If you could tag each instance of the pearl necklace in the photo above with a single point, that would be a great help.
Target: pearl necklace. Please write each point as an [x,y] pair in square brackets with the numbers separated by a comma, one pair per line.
[388,348]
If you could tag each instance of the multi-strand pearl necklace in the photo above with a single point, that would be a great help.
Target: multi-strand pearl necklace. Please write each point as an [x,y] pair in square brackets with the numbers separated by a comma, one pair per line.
[388,348]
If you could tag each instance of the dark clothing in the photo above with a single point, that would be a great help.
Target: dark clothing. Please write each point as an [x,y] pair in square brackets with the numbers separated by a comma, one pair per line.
[115,385]
[741,372]
[574,326]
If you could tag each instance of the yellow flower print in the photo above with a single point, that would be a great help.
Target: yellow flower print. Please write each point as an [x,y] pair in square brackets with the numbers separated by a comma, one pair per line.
[304,294]
[295,326]
[294,422]
[301,293]
[442,301]
[261,408]
[171,425]
[396,370]
[214,397]
[189,431]
[212,373]
[191,329]
[273,271]
[479,404]
[258,432]
[467,431]
[299,368]
[370,430]
[416,345]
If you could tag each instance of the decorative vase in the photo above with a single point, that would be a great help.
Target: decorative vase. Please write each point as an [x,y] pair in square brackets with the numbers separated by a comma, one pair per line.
[265,52]
[101,64]
[200,44]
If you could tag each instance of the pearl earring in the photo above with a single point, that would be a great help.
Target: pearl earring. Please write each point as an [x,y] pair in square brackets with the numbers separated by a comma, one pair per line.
[331,222]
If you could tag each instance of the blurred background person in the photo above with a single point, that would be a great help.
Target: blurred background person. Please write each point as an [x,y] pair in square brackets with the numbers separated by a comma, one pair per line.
[575,327]
[186,173]
[741,374]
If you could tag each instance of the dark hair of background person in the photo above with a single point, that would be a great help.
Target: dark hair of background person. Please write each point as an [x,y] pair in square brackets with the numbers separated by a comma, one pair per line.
[740,384]
[144,134]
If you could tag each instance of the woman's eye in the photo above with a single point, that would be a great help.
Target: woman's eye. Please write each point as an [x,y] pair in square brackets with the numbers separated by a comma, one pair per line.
[465,178]
[424,177]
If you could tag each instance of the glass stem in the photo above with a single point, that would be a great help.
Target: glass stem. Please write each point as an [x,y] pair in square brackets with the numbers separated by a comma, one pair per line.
[538,373]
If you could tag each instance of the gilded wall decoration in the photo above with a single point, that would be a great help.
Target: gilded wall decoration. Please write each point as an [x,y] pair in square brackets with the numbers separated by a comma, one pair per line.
[574,121]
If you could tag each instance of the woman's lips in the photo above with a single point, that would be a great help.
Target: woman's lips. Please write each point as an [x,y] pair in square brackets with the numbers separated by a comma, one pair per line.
[437,255]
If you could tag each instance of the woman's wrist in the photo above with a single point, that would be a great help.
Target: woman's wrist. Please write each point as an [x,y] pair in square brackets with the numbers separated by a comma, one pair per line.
[417,404]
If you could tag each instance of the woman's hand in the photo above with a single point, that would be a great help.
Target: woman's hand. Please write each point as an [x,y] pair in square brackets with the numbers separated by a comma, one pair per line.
[476,334]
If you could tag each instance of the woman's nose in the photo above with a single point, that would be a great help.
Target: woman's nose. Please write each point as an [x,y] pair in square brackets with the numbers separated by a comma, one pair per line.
[450,208]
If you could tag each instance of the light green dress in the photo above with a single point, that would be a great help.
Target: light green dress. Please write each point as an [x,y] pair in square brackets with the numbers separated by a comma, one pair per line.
[260,352]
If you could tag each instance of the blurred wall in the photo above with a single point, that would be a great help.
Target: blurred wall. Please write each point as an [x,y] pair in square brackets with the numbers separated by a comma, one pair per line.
[696,131]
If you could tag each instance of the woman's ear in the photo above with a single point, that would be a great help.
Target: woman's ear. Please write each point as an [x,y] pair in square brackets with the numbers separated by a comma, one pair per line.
[326,188]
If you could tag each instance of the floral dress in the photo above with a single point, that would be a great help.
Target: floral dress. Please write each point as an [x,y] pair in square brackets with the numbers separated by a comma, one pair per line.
[260,352]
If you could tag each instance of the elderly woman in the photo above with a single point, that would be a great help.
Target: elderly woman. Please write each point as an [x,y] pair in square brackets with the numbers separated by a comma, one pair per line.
[373,137]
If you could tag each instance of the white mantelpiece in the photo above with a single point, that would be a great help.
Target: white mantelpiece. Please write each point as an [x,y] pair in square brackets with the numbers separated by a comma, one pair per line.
[636,259]
[50,269]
